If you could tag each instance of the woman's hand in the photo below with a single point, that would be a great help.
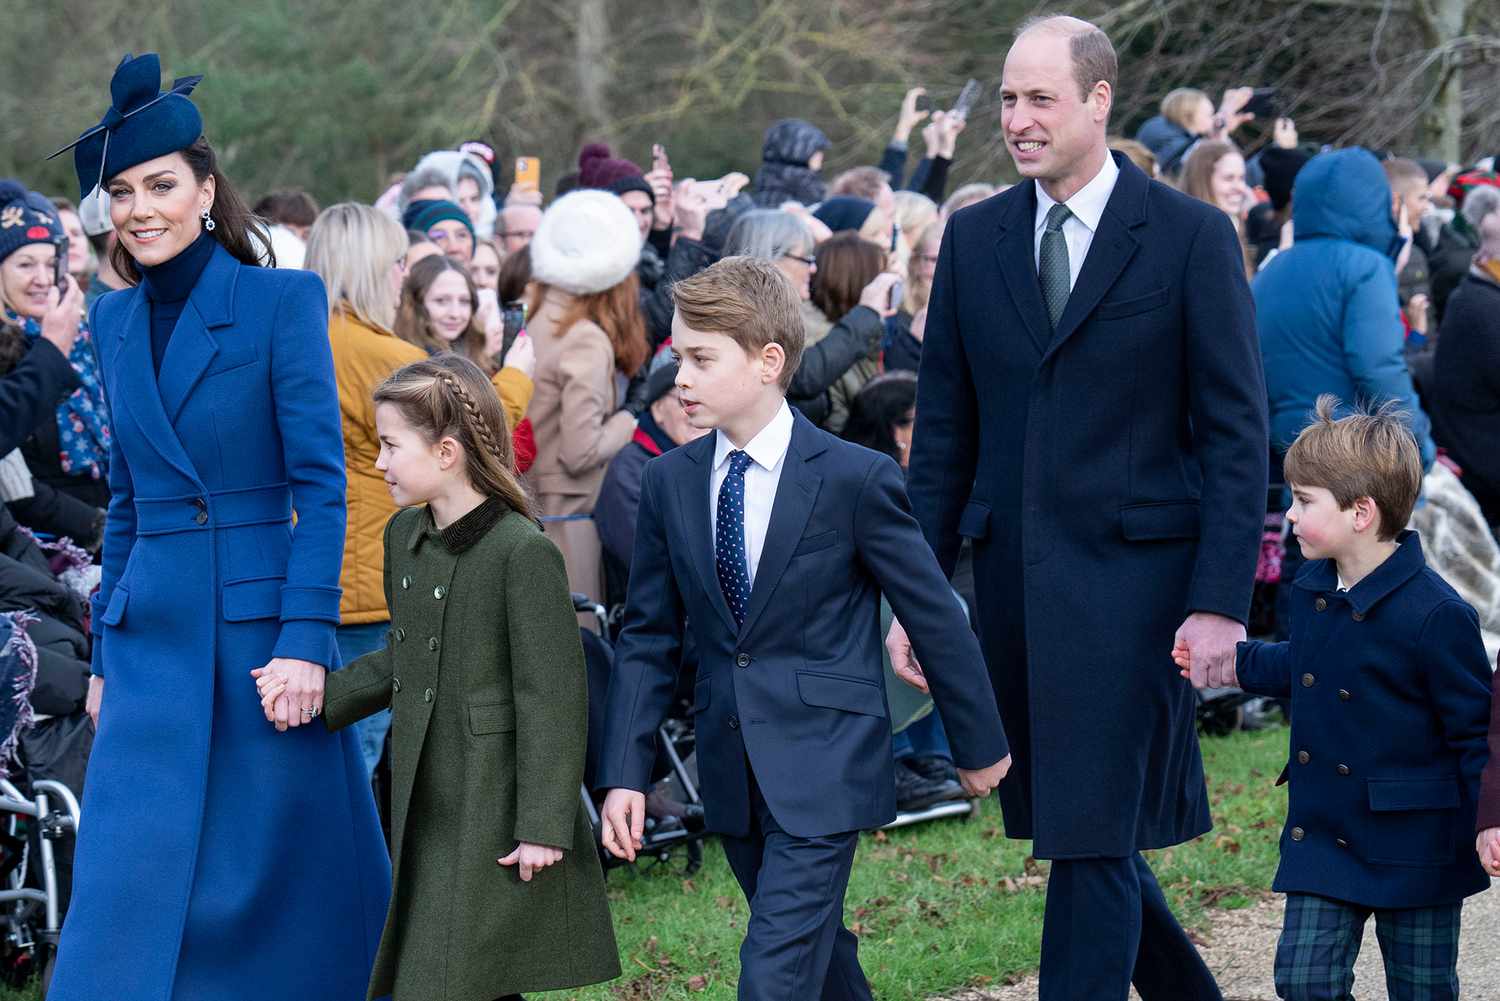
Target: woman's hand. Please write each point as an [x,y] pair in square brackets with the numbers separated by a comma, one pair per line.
[291,691]
[522,355]
[95,696]
[877,294]
[530,858]
[1284,135]
[64,311]
[910,117]
[1488,847]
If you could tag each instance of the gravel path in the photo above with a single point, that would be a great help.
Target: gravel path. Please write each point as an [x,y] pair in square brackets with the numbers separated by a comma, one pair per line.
[1240,945]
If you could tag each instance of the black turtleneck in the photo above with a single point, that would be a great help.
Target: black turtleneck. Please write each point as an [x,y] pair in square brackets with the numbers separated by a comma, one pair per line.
[168,286]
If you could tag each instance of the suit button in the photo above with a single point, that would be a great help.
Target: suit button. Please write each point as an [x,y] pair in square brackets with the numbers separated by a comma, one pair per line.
[400,635]
[734,722]
[1308,681]
[1298,834]
[427,695]
[1343,769]
[438,592]
[201,517]
[1358,616]
[1341,842]
[395,684]
[1344,695]
[1303,757]
[405,583]
[743,660]
[1321,604]
[432,644]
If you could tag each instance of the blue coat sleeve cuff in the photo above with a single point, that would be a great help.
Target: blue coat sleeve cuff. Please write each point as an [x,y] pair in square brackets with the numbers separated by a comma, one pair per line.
[96,662]
[300,601]
[308,639]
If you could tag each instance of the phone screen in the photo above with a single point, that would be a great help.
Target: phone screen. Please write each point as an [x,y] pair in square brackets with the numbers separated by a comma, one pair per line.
[528,173]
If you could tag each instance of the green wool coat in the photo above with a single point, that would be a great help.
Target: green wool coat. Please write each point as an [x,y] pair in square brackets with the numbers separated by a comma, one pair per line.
[483,672]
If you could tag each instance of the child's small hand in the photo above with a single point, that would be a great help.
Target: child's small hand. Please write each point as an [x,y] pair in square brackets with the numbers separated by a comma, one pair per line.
[1488,847]
[1183,659]
[532,858]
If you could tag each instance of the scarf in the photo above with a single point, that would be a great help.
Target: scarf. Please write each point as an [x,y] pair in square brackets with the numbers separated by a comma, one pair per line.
[83,434]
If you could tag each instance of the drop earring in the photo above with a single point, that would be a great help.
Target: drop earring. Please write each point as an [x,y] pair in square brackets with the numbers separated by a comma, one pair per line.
[208,221]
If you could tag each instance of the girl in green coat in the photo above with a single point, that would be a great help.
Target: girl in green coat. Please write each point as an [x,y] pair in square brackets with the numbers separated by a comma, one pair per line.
[497,884]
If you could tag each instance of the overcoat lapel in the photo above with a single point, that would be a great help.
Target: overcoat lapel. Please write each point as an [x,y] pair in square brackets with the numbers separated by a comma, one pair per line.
[1017,253]
[192,347]
[795,496]
[137,390]
[693,501]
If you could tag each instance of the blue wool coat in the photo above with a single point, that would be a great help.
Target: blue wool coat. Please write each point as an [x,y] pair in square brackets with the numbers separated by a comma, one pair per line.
[1390,691]
[219,859]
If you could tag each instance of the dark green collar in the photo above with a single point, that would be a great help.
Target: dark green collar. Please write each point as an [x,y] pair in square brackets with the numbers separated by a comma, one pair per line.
[463,533]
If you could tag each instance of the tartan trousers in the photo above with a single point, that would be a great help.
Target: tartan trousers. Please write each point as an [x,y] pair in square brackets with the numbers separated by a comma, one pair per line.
[1320,940]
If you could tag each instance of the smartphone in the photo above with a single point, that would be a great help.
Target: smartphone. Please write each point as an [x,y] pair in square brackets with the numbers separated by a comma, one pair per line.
[60,267]
[898,292]
[1262,103]
[529,173]
[659,157]
[514,315]
[924,103]
[966,99]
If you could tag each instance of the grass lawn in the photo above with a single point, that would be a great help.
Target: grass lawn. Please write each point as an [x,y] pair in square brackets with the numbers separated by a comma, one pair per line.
[938,907]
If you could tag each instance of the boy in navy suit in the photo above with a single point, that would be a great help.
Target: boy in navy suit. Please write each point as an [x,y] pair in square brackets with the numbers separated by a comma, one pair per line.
[771,541]
[1390,690]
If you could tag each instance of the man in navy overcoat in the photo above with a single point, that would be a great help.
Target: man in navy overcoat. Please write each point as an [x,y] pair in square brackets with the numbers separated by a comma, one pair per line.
[1092,414]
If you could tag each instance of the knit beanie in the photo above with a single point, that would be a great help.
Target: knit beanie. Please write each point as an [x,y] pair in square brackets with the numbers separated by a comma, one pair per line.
[1281,167]
[587,242]
[844,212]
[25,218]
[599,168]
[422,215]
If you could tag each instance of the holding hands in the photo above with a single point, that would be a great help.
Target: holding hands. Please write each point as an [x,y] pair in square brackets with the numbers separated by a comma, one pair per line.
[1488,847]
[530,858]
[1205,647]
[291,691]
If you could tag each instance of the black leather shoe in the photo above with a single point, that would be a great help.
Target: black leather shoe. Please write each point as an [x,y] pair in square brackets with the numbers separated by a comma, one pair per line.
[916,792]
[932,767]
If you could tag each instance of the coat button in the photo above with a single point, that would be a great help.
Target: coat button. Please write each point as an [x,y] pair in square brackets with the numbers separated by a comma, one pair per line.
[743,660]
[1298,834]
[1344,695]
[405,583]
[400,635]
[201,517]
[734,722]
[438,592]
[1358,616]
[1303,757]
[1343,769]
[395,684]
[1308,680]
[432,644]
[427,695]
[1321,604]
[1341,842]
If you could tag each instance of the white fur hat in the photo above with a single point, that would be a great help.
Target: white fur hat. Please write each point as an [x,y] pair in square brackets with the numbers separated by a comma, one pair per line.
[587,242]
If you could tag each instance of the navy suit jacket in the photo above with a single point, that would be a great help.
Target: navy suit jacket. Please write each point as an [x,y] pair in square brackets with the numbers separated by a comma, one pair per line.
[798,691]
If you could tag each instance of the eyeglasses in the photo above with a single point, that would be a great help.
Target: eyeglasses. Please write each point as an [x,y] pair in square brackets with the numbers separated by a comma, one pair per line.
[518,234]
[809,261]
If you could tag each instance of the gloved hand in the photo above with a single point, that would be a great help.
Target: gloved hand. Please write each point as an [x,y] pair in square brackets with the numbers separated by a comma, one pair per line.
[637,396]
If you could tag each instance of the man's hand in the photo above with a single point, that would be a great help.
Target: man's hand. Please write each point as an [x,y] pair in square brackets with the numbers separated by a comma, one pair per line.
[1284,134]
[1488,847]
[981,783]
[1231,113]
[529,858]
[904,658]
[1207,642]
[623,822]
[910,116]
[1418,312]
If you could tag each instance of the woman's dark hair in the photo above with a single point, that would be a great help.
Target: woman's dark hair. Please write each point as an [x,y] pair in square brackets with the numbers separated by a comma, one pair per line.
[515,275]
[235,226]
[847,262]
[885,403]
[414,326]
[288,207]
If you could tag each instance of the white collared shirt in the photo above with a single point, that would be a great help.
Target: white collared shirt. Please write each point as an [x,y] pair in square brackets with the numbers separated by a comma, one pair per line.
[1087,206]
[767,452]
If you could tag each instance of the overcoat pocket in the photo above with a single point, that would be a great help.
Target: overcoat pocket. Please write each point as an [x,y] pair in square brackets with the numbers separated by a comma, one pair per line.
[1159,520]
[114,612]
[252,598]
[1414,823]
[1114,309]
[816,543]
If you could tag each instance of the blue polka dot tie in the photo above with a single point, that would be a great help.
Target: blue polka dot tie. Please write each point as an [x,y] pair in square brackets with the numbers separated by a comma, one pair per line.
[729,538]
[1052,264]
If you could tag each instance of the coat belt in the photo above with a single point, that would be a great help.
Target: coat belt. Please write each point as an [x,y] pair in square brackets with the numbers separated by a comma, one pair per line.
[215,509]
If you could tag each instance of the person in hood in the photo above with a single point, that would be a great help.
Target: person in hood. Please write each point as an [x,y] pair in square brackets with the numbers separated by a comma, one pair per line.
[791,159]
[473,186]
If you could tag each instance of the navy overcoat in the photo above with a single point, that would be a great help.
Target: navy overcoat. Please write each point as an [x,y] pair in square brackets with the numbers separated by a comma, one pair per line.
[1113,478]
[218,858]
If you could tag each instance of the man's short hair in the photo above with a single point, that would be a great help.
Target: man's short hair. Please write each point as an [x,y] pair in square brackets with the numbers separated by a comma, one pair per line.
[1403,173]
[1093,54]
[1365,454]
[860,182]
[750,301]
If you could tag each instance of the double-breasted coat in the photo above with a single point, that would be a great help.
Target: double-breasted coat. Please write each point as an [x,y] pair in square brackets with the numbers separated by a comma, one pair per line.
[483,673]
[218,858]
[1112,477]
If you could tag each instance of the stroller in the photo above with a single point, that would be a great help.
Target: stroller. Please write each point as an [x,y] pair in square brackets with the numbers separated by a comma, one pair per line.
[676,831]
[30,896]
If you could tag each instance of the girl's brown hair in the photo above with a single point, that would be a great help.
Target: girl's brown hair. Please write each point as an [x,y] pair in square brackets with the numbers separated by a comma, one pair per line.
[448,396]
[413,325]
[616,311]
[846,264]
[235,227]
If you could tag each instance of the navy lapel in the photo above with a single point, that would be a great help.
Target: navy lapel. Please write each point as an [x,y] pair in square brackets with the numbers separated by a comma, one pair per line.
[192,347]
[795,494]
[693,500]
[1111,250]
[1017,251]
[136,388]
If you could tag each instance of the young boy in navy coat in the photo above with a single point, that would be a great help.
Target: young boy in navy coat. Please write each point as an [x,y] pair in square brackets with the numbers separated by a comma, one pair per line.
[771,541]
[1390,690]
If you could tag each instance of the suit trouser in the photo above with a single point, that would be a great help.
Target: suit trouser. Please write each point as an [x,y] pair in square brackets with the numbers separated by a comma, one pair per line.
[796,947]
[1108,926]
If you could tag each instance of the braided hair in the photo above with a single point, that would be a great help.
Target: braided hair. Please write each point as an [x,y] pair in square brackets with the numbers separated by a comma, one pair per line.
[448,396]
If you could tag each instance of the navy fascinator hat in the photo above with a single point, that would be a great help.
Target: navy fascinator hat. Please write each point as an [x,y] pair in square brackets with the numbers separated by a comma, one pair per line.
[143,122]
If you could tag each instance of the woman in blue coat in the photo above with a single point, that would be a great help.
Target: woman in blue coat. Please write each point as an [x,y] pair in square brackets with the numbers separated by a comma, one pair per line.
[218,858]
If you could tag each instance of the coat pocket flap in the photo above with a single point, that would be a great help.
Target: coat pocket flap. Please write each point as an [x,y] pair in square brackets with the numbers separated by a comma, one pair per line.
[830,691]
[816,543]
[1394,795]
[254,598]
[974,522]
[496,717]
[1115,308]
[1160,520]
[114,612]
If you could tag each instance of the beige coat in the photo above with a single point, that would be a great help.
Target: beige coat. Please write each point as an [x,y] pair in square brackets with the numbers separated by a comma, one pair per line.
[579,428]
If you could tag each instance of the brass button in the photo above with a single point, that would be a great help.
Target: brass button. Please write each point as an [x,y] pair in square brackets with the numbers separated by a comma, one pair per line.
[1298,834]
[432,644]
[201,517]
[1308,680]
[405,583]
[438,592]
[395,684]
[1343,769]
[1344,695]
[743,660]
[1321,604]
[1303,757]
[427,695]
[1359,616]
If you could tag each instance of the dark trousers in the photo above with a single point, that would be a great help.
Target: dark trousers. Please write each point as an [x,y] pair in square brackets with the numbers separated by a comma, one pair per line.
[1108,926]
[796,945]
[1320,940]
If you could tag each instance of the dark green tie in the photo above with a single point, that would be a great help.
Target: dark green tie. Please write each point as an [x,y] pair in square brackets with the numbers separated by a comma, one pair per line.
[1052,263]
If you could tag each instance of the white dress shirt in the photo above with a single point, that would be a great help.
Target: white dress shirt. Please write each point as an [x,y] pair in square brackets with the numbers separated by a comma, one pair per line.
[767,452]
[1087,206]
